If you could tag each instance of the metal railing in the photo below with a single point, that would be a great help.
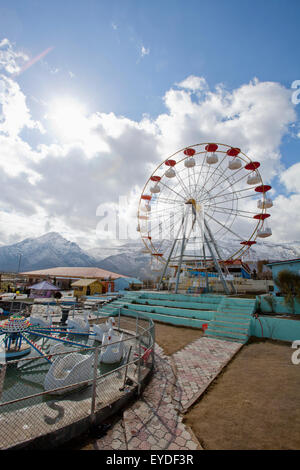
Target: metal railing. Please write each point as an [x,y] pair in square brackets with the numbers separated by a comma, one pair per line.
[28,411]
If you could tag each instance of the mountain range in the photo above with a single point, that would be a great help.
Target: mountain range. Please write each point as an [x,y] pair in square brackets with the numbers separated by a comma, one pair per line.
[52,250]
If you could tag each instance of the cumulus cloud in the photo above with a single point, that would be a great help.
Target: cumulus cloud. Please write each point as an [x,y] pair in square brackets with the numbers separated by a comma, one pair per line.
[193,83]
[70,182]
[10,59]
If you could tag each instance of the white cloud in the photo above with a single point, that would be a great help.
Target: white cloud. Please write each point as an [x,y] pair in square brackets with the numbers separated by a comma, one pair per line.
[144,51]
[193,83]
[63,183]
[291,178]
[9,58]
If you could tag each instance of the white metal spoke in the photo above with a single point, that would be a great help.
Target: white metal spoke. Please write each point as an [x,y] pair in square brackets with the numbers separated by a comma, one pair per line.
[215,169]
[225,227]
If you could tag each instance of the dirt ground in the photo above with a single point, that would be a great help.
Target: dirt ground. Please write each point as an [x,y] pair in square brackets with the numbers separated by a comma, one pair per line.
[170,338]
[253,404]
[173,338]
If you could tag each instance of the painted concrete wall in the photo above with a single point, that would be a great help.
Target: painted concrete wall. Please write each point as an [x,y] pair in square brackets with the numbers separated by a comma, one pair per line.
[276,268]
[279,306]
[176,312]
[275,328]
[191,322]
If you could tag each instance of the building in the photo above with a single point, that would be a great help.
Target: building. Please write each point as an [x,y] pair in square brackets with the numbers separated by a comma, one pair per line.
[87,287]
[63,277]
[123,283]
[290,265]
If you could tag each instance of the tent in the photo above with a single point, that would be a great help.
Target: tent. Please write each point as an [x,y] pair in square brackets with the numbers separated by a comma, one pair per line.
[42,289]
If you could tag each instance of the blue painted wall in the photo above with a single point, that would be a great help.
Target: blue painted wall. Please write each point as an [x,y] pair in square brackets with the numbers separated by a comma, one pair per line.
[279,305]
[293,266]
[124,283]
[275,328]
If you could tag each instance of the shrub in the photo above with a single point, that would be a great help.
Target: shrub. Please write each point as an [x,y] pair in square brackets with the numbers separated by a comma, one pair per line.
[288,283]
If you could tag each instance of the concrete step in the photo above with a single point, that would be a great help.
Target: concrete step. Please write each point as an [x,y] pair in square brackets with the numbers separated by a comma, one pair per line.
[225,334]
[229,325]
[224,338]
[235,312]
[235,309]
[232,318]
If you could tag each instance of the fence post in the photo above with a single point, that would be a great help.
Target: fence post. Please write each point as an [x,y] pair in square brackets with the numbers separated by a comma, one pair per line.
[119,319]
[136,324]
[126,368]
[153,344]
[139,367]
[94,388]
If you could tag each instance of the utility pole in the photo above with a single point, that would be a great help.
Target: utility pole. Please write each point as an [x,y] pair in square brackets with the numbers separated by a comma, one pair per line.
[20,256]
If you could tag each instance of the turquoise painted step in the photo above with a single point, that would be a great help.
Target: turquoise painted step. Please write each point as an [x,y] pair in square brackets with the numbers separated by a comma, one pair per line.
[204,315]
[235,307]
[187,298]
[225,331]
[248,308]
[175,304]
[233,317]
[231,326]
[244,323]
[170,319]
[225,338]
[201,314]
[223,334]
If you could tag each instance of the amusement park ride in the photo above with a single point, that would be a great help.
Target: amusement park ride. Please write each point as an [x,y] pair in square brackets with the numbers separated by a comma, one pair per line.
[196,204]
[18,336]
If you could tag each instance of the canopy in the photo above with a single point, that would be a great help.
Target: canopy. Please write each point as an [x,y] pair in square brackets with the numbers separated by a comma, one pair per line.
[44,285]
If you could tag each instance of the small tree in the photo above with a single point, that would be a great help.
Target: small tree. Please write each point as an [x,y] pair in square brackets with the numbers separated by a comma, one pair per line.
[288,283]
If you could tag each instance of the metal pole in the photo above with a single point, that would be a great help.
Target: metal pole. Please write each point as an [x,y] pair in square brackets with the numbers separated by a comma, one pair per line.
[217,266]
[126,368]
[184,220]
[119,319]
[93,404]
[170,254]
[166,265]
[206,275]
[218,253]
[139,367]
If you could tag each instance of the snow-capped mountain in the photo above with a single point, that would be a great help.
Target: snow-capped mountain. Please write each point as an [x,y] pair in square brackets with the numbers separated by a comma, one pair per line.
[48,251]
[53,250]
[266,250]
[127,259]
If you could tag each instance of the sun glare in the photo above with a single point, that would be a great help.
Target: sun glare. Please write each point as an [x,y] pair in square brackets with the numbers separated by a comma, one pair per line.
[68,119]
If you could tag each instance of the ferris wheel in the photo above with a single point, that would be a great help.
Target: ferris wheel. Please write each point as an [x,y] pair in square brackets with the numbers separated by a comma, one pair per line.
[205,203]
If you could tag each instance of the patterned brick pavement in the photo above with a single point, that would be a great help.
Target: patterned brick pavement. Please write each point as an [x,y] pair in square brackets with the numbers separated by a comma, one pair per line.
[154,422]
[198,364]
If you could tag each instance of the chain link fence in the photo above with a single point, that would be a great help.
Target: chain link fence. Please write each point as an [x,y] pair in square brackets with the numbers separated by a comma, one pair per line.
[57,396]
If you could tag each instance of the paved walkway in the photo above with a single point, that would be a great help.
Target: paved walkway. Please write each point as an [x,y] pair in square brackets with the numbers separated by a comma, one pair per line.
[153,422]
[198,364]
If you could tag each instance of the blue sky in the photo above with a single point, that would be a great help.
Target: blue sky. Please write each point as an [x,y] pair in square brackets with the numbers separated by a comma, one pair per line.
[228,41]
[124,56]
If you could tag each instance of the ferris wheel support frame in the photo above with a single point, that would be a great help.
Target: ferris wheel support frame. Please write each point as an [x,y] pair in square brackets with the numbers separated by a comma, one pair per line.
[219,255]
[184,240]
